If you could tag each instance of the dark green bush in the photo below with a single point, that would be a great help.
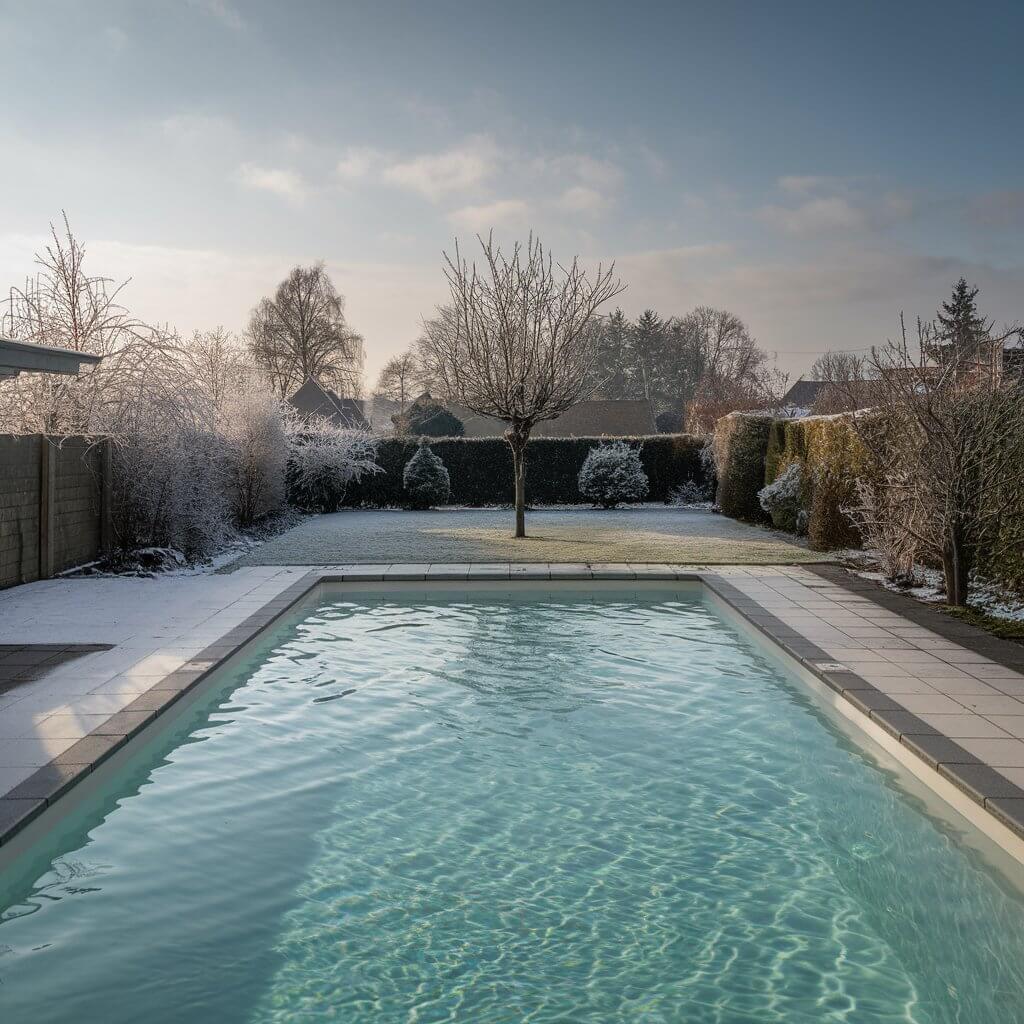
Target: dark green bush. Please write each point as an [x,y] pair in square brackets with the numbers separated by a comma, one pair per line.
[481,468]
[740,446]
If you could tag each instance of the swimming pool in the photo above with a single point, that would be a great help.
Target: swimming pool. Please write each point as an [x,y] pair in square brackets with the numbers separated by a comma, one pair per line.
[493,808]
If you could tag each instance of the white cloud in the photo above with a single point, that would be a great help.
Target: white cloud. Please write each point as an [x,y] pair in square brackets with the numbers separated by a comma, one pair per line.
[801,184]
[117,39]
[480,219]
[438,174]
[197,129]
[357,162]
[594,172]
[813,217]
[223,11]
[287,184]
[582,199]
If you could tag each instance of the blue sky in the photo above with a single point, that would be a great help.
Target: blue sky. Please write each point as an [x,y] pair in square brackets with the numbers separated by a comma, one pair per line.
[815,167]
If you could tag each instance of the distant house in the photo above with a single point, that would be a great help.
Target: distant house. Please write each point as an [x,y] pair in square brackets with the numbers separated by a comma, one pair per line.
[596,418]
[822,397]
[800,398]
[313,399]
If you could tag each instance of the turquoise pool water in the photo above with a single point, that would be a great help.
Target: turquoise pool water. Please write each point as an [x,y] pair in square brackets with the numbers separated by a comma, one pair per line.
[545,809]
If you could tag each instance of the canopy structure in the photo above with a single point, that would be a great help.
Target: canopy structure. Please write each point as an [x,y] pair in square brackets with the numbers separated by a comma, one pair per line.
[22,356]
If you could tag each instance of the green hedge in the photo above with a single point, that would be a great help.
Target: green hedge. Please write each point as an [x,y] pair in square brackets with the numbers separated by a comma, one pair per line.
[740,445]
[831,456]
[481,468]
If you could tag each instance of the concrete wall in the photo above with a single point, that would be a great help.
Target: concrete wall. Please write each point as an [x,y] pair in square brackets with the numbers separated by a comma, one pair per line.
[54,504]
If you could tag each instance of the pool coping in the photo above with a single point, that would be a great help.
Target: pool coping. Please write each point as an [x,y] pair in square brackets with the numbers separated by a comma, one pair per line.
[981,783]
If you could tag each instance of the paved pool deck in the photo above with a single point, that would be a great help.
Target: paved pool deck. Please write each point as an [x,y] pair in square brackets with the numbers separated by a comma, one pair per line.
[648,533]
[947,693]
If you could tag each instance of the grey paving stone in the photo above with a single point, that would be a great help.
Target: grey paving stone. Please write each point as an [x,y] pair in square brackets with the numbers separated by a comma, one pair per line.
[937,750]
[1009,811]
[981,782]
[90,750]
[899,723]
[49,782]
[15,814]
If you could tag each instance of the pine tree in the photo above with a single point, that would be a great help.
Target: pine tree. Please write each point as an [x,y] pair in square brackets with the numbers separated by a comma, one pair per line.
[426,479]
[610,373]
[960,330]
[648,342]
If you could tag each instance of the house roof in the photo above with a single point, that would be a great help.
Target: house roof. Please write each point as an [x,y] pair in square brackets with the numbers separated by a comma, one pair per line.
[25,357]
[804,393]
[313,399]
[596,418]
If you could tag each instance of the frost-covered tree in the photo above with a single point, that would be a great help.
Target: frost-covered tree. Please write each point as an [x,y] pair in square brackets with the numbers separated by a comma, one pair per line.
[302,332]
[425,479]
[947,489]
[611,474]
[516,341]
[324,460]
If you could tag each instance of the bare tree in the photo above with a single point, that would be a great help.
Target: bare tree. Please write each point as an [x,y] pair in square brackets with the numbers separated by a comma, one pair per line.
[302,332]
[516,341]
[945,441]
[400,379]
[217,362]
[66,307]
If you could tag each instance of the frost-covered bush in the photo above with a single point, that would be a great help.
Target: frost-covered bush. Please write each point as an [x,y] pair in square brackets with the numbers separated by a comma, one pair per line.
[324,459]
[254,426]
[171,490]
[611,474]
[425,479]
[782,500]
[692,492]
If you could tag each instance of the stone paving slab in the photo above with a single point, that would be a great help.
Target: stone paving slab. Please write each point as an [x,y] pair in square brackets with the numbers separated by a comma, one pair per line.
[952,696]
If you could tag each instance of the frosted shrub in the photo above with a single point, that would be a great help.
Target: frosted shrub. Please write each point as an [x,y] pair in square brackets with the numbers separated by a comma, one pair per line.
[781,499]
[256,437]
[425,479]
[692,492]
[170,491]
[324,460]
[612,474]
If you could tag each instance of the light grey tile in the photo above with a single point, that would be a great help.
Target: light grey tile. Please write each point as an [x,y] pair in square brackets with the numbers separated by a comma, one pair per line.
[962,725]
[996,752]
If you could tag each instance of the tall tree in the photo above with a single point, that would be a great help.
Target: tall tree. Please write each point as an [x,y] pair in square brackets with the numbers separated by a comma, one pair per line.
[961,332]
[516,341]
[613,355]
[399,380]
[302,332]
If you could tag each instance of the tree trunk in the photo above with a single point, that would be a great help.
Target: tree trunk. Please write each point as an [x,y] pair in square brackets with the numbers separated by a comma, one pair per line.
[955,567]
[517,436]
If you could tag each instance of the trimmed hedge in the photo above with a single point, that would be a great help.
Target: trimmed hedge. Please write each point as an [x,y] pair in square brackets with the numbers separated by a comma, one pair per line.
[740,446]
[481,468]
[831,457]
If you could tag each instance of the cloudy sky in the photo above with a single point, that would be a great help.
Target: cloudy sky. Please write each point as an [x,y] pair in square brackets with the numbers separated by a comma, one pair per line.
[814,167]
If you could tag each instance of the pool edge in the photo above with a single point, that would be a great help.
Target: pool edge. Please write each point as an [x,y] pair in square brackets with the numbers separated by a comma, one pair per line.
[959,778]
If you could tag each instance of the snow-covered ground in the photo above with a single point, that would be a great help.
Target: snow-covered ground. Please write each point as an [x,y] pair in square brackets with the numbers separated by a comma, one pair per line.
[988,598]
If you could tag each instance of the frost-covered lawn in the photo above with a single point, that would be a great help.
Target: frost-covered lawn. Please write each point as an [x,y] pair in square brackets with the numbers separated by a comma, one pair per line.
[648,533]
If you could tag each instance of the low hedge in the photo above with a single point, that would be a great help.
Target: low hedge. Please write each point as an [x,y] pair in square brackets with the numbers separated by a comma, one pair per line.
[481,468]
[740,446]
[831,456]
